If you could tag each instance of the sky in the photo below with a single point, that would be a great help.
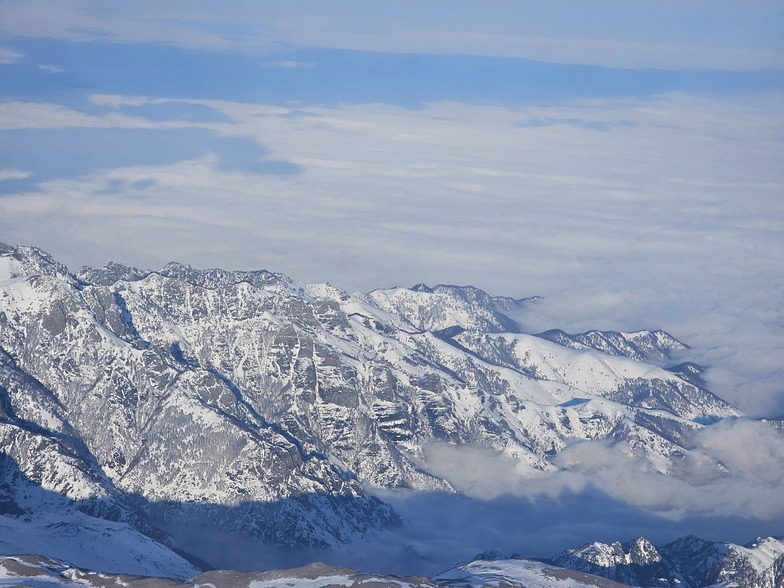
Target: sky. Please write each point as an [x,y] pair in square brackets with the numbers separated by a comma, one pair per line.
[622,159]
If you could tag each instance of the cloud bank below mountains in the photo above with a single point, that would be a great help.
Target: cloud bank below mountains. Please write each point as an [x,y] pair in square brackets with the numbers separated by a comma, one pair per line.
[622,214]
[608,497]
[733,469]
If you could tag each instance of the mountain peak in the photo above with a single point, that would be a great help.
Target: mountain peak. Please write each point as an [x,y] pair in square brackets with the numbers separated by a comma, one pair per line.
[26,261]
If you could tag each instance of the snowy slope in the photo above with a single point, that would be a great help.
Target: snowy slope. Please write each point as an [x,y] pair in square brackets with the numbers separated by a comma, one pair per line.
[91,543]
[265,408]
[38,571]
[519,573]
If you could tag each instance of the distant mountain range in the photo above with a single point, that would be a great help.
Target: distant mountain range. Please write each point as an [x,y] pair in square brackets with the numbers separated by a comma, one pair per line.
[146,406]
[686,563]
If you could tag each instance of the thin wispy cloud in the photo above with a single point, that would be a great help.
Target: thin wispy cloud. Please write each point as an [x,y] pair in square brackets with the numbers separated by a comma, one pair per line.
[8,56]
[718,35]
[621,53]
[289,64]
[51,68]
[13,174]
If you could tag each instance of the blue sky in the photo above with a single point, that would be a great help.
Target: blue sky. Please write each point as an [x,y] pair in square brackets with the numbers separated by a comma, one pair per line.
[622,159]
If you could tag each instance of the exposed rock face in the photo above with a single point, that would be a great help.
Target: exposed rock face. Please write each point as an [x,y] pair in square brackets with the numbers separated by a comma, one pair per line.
[688,562]
[642,345]
[636,563]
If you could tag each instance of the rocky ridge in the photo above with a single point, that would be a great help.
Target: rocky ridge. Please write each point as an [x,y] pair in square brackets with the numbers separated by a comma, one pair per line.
[688,562]
[267,408]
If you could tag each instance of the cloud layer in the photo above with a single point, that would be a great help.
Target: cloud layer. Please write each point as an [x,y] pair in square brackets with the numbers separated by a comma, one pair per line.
[608,497]
[664,34]
[623,214]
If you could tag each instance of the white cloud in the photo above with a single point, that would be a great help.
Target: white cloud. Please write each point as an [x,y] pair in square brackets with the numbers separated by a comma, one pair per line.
[718,35]
[289,64]
[41,115]
[123,23]
[15,115]
[621,53]
[51,68]
[13,174]
[751,452]
[486,474]
[669,220]
[116,101]
[7,56]
[733,468]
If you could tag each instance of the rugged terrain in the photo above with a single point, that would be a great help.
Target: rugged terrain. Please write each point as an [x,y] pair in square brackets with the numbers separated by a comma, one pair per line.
[150,406]
[689,562]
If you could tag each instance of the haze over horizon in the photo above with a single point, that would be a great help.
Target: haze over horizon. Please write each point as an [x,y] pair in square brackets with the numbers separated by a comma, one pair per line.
[622,160]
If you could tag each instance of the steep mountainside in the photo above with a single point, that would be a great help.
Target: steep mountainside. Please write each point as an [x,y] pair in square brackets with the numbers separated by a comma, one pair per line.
[261,407]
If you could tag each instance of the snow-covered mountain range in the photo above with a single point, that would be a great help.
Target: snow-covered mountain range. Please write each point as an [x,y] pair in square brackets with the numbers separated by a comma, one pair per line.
[686,563]
[148,406]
